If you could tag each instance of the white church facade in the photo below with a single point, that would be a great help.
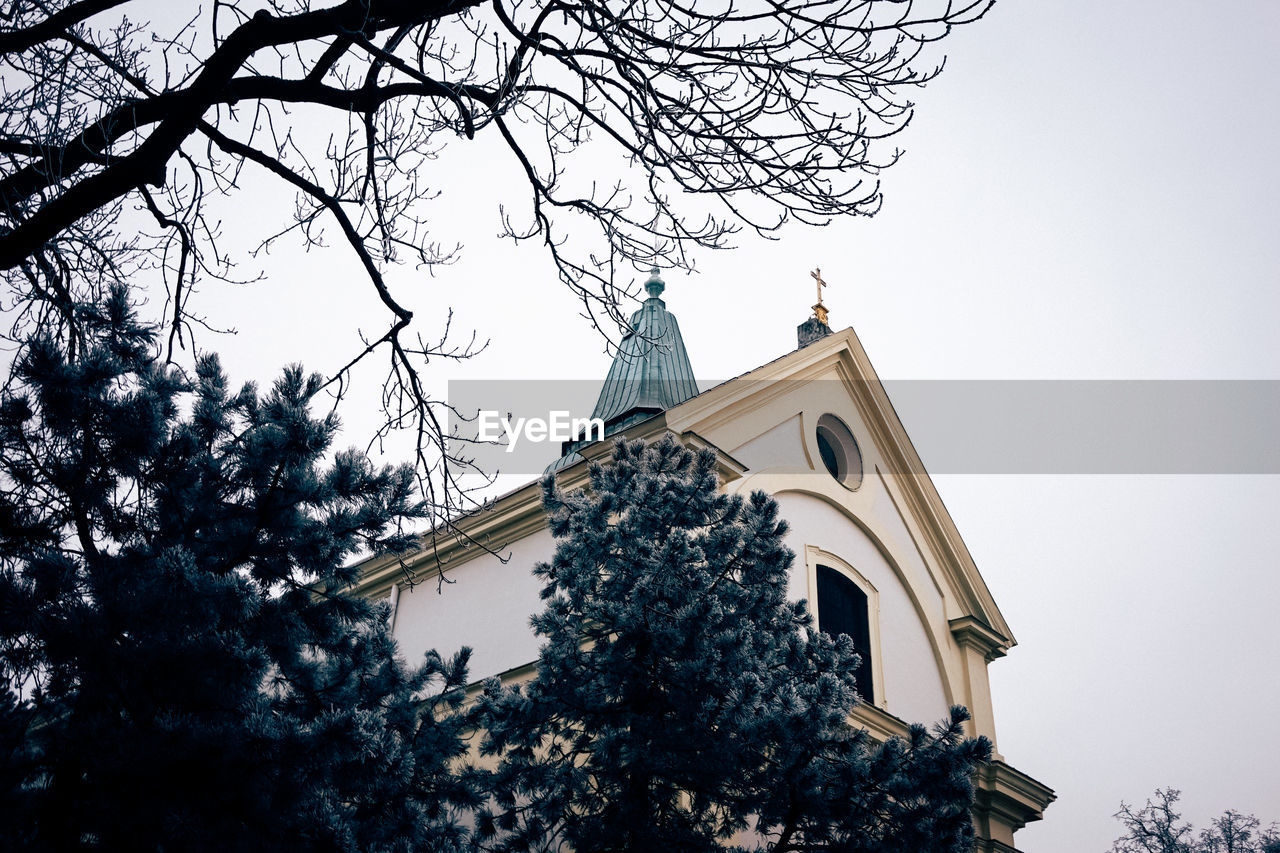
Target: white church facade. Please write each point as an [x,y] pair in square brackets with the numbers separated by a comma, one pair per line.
[877,555]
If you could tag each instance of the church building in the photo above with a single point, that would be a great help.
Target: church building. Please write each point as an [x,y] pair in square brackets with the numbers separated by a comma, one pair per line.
[877,555]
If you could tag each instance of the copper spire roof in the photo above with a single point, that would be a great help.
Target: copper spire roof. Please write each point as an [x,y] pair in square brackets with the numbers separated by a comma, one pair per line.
[649,374]
[651,371]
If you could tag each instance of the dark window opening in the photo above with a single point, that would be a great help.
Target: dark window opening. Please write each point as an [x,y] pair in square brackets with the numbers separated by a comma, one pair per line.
[842,609]
[839,451]
[828,454]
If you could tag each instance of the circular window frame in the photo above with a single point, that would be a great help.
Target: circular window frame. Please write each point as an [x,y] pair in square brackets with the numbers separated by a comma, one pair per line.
[838,451]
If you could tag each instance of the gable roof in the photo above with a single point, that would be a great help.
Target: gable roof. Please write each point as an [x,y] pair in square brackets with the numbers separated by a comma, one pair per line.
[842,353]
[518,512]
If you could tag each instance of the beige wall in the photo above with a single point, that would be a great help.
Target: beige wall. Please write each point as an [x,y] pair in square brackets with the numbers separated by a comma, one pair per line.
[911,684]
[486,604]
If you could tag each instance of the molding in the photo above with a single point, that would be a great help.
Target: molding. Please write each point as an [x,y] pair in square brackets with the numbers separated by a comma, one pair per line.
[497,524]
[815,556]
[880,723]
[1002,793]
[987,845]
[782,481]
[1010,796]
[970,632]
[490,529]
[727,467]
[841,356]
[521,674]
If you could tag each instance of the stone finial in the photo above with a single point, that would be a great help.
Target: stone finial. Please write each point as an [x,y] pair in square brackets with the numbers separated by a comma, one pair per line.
[655,285]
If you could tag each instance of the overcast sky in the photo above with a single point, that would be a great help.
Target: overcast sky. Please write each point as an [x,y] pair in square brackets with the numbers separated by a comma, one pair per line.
[1090,191]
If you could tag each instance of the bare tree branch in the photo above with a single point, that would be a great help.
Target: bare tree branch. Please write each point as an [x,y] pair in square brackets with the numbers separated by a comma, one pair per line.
[723,116]
[54,25]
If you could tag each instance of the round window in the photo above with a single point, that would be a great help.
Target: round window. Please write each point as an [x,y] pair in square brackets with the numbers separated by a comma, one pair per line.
[839,452]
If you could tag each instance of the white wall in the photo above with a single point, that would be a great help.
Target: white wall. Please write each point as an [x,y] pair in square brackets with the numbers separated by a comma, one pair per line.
[486,605]
[782,446]
[913,685]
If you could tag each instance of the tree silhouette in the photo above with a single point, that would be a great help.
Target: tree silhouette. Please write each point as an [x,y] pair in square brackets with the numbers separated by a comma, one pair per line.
[719,116]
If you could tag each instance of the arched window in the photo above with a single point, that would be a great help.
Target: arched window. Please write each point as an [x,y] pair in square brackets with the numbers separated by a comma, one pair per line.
[842,609]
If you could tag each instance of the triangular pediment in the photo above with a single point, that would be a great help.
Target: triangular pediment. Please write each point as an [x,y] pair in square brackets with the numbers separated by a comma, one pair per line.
[781,402]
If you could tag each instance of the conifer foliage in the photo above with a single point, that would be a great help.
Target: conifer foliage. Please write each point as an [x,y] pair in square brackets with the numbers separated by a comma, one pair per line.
[183,671]
[179,670]
[682,703]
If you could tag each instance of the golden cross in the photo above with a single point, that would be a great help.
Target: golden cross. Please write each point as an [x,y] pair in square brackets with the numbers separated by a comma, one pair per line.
[819,310]
[817,277]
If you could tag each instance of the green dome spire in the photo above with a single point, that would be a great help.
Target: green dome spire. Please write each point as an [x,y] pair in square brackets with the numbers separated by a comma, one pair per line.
[651,370]
[650,373]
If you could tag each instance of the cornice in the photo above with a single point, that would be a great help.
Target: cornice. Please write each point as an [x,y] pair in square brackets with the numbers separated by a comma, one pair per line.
[989,845]
[1011,795]
[970,632]
[906,469]
[727,467]
[489,529]
[514,515]
[880,723]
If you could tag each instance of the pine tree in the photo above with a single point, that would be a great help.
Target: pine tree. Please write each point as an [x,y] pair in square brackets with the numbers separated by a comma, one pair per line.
[682,703]
[180,668]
